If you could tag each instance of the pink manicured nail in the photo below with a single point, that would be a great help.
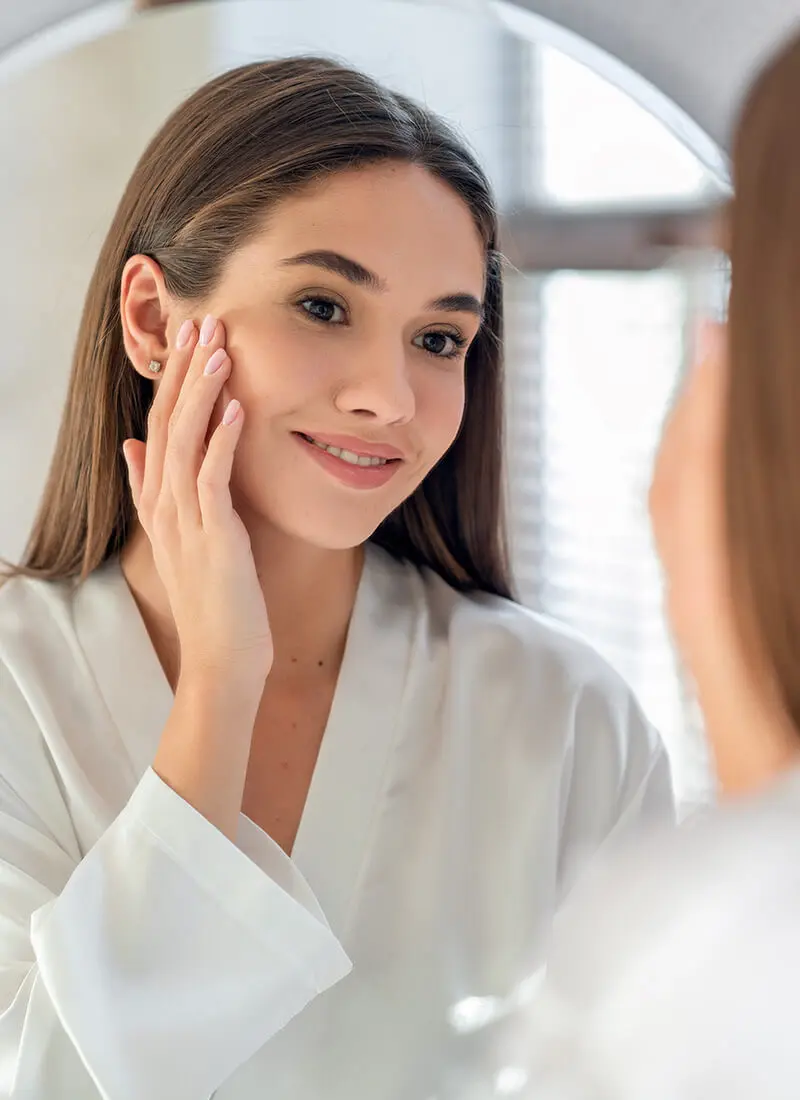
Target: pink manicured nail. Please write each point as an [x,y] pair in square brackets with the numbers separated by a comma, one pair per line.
[216,361]
[184,334]
[231,412]
[208,330]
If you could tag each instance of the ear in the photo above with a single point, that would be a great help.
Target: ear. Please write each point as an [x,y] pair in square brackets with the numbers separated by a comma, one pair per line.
[146,312]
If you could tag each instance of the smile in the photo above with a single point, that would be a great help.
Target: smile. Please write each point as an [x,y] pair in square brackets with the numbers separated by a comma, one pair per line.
[347,456]
[356,471]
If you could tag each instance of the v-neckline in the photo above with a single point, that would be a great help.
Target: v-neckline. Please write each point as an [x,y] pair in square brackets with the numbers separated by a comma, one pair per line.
[348,780]
[364,724]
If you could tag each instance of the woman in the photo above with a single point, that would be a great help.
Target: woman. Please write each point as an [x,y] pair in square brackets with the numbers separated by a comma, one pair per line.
[272,715]
[675,974]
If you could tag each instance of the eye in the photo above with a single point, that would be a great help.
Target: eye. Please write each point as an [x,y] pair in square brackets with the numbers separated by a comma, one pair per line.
[323,309]
[443,345]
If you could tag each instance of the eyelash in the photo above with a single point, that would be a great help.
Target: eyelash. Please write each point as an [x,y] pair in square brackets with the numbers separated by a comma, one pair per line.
[459,341]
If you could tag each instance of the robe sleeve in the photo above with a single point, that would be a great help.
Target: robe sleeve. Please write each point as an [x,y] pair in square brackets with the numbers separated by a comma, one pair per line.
[617,791]
[616,779]
[158,963]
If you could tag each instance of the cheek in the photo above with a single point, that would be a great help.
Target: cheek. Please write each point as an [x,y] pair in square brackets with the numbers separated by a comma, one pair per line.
[440,410]
[277,373]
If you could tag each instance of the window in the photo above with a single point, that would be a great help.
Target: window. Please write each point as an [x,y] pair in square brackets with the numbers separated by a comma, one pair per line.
[599,146]
[594,357]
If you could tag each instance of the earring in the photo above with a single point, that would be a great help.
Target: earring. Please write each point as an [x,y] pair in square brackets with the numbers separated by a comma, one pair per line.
[154,366]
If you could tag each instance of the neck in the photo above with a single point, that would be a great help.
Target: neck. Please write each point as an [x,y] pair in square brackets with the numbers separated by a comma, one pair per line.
[309,593]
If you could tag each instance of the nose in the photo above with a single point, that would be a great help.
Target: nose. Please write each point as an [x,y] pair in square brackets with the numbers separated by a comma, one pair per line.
[378,387]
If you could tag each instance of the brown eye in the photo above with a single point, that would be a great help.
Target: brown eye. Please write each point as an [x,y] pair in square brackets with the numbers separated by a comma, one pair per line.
[323,309]
[443,345]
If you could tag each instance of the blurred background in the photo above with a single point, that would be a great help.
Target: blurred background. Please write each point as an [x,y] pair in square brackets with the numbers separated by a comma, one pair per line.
[610,194]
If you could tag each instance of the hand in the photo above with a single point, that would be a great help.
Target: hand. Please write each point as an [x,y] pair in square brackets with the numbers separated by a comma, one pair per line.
[746,723]
[687,509]
[181,491]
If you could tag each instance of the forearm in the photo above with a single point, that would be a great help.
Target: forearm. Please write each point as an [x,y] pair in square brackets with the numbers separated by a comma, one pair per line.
[205,746]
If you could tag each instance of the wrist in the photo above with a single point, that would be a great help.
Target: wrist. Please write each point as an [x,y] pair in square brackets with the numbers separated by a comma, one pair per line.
[220,690]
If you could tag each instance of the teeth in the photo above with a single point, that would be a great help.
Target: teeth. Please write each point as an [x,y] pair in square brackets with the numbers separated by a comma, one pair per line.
[348,456]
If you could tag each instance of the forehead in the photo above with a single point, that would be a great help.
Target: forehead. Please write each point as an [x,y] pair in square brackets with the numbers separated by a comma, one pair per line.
[398,220]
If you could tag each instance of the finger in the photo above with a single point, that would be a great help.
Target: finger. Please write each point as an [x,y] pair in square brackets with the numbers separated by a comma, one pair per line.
[218,412]
[133,451]
[186,446]
[214,479]
[211,338]
[162,408]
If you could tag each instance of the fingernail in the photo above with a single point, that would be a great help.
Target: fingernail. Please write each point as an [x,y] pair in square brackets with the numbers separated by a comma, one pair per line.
[184,334]
[208,330]
[216,361]
[231,412]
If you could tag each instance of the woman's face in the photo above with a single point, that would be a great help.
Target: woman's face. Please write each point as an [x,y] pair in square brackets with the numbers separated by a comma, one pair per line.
[348,321]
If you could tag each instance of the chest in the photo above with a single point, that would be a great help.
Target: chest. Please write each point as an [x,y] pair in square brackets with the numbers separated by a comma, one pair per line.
[441,897]
[286,742]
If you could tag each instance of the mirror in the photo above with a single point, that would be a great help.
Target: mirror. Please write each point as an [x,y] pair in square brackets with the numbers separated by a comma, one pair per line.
[597,197]
[608,227]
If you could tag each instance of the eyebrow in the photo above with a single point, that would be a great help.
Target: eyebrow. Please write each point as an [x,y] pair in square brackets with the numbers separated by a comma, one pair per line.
[361,276]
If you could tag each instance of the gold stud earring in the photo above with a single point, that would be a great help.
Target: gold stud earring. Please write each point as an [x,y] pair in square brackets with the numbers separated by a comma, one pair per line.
[154,366]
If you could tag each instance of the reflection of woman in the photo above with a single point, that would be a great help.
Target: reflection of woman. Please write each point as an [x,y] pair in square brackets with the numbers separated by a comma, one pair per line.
[343,394]
[685,985]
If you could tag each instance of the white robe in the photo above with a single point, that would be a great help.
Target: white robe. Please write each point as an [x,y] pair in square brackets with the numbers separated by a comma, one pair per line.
[674,971]
[474,757]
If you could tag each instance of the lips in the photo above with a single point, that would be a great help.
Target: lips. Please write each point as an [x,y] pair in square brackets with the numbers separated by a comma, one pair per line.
[349,457]
[351,447]
[357,471]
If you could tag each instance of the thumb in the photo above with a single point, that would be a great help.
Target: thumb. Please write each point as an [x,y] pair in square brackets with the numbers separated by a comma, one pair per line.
[133,451]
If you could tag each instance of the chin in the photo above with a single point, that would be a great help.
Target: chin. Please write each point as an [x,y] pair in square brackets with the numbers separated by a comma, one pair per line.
[328,528]
[330,538]
[328,518]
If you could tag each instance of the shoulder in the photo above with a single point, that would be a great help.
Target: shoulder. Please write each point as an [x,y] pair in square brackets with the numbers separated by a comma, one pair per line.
[682,939]
[44,670]
[28,603]
[543,676]
[529,680]
[490,621]
[726,857]
[36,625]
[37,633]
[691,887]
[40,672]
[542,658]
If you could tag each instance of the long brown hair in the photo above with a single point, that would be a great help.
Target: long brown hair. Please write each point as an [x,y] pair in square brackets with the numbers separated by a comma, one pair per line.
[241,143]
[762,444]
